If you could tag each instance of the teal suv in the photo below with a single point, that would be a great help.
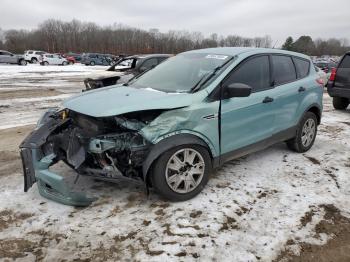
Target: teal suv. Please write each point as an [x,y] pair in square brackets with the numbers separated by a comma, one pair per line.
[170,126]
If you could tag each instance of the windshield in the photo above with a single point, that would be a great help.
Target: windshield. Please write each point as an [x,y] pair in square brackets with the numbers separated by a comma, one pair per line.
[182,73]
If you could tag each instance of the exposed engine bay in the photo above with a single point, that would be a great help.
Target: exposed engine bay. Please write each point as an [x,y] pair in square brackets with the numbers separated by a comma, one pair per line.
[107,147]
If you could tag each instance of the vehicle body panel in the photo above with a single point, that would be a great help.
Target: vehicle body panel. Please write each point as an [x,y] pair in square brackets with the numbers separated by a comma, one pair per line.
[340,87]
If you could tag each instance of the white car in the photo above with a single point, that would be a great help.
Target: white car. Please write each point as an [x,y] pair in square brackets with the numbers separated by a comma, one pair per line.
[32,56]
[322,75]
[52,59]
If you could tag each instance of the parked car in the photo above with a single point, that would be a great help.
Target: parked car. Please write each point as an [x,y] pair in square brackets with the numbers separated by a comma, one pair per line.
[96,59]
[338,85]
[70,59]
[52,59]
[77,57]
[322,75]
[172,125]
[32,56]
[326,66]
[124,70]
[9,58]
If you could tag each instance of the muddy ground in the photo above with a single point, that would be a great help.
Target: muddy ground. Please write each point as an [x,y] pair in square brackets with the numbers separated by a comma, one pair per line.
[273,205]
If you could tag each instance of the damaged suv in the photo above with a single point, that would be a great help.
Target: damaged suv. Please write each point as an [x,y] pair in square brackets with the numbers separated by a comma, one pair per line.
[172,125]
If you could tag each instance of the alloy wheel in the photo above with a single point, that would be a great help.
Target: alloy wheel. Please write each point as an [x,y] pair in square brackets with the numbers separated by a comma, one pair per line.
[184,170]
[308,132]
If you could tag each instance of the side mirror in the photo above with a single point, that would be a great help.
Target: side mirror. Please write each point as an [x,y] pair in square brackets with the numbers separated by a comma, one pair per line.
[236,90]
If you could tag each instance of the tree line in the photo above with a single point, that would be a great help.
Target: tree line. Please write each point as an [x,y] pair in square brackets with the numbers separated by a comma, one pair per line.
[318,47]
[57,36]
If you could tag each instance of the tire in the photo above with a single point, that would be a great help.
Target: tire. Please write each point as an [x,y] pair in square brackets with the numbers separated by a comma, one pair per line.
[34,60]
[92,63]
[64,63]
[71,63]
[304,140]
[340,103]
[160,169]
[45,63]
[22,62]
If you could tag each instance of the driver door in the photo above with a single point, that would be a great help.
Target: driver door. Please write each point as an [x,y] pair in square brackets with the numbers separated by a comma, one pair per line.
[248,120]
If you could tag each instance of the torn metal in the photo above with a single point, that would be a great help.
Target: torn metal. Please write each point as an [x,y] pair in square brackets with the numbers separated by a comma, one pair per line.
[108,148]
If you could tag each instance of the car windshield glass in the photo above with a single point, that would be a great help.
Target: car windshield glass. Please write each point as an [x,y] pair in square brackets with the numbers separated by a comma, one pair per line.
[182,73]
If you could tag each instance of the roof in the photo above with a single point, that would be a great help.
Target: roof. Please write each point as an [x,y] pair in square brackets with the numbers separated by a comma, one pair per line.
[148,56]
[233,51]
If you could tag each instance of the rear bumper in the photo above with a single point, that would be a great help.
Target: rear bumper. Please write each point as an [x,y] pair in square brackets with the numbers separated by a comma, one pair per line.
[338,92]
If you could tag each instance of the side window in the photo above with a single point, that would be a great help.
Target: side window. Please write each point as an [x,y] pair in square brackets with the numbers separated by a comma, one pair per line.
[255,72]
[30,52]
[283,68]
[302,66]
[161,59]
[148,64]
[1,53]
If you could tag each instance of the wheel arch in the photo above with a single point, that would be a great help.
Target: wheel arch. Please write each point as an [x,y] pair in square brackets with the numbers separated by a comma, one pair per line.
[315,108]
[171,142]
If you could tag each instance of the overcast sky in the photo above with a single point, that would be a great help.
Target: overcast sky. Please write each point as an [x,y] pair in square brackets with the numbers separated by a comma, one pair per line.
[277,18]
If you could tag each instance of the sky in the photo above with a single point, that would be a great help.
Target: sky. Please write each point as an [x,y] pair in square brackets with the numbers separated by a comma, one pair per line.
[249,18]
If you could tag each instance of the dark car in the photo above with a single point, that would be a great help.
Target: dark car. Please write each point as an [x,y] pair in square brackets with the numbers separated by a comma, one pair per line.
[96,59]
[124,69]
[9,58]
[338,85]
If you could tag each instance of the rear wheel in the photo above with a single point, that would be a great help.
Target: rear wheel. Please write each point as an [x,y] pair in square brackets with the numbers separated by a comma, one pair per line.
[92,63]
[46,63]
[340,103]
[306,134]
[182,172]
[71,62]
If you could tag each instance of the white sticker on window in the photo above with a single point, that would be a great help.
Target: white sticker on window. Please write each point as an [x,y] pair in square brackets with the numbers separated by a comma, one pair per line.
[221,57]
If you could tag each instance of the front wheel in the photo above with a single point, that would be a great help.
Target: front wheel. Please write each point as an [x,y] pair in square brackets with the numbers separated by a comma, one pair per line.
[340,103]
[64,63]
[23,62]
[92,63]
[306,134]
[182,172]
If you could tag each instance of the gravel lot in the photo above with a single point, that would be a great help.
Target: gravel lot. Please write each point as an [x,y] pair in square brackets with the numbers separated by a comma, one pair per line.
[274,205]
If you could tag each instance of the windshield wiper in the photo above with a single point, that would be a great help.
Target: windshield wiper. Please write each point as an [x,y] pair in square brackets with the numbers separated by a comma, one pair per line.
[206,77]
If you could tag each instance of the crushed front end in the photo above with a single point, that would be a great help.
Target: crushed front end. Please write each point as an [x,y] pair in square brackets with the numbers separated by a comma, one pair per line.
[104,148]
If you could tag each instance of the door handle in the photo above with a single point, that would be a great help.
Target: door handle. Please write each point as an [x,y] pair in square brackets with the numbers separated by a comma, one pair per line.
[301,89]
[268,100]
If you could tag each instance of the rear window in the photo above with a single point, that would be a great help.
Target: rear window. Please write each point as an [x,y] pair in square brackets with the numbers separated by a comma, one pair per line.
[345,63]
[284,70]
[302,67]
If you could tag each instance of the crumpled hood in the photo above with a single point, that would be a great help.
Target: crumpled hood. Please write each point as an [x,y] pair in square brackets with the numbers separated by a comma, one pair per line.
[116,100]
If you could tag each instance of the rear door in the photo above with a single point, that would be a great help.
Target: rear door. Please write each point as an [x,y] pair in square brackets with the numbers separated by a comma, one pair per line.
[248,120]
[290,88]
[342,78]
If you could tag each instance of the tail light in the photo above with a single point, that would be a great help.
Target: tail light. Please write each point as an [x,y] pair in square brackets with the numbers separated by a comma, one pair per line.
[333,73]
[320,82]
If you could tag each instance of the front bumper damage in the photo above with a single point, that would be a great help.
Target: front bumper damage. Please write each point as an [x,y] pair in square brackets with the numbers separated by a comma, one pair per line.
[84,148]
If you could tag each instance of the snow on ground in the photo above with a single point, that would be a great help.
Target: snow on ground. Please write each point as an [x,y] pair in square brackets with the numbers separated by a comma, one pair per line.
[65,80]
[248,211]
